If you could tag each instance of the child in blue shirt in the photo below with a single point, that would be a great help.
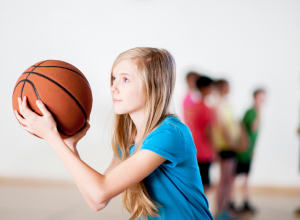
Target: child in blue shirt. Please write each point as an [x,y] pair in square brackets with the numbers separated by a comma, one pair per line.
[158,175]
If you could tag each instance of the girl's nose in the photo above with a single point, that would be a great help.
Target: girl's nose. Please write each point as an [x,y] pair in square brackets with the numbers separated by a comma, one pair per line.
[114,89]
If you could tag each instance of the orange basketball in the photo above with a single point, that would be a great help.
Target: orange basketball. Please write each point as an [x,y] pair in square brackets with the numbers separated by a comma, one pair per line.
[63,89]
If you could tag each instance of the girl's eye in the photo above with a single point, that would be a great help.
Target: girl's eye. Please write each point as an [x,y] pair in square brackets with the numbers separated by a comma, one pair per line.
[113,78]
[126,80]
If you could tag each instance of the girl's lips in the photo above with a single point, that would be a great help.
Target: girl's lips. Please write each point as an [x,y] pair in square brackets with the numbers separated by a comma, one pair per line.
[115,100]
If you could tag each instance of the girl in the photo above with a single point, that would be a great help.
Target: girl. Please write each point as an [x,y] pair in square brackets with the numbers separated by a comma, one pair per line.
[154,164]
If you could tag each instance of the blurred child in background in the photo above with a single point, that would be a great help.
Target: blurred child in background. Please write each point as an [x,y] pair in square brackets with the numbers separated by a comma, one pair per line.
[251,124]
[226,135]
[193,95]
[200,120]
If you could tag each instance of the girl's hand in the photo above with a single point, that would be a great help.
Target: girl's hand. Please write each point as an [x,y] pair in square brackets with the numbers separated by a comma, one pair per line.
[73,140]
[42,126]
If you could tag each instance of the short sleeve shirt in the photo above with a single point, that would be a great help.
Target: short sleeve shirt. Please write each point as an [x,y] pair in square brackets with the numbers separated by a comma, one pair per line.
[201,120]
[176,184]
[191,98]
[248,120]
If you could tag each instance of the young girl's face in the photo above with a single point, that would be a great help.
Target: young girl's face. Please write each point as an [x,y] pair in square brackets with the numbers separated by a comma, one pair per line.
[128,90]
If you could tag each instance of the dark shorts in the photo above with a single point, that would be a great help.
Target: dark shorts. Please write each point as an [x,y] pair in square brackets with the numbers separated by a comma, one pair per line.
[227,154]
[204,172]
[243,167]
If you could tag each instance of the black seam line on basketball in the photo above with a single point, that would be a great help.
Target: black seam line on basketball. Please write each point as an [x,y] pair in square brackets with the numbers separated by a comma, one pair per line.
[41,75]
[61,131]
[66,69]
[28,76]
[17,85]
[33,86]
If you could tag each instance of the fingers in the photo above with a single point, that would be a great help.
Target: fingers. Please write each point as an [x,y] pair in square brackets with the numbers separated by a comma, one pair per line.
[20,119]
[26,128]
[43,108]
[25,111]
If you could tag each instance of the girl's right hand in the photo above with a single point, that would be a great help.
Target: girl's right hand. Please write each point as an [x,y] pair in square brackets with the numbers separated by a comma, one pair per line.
[73,140]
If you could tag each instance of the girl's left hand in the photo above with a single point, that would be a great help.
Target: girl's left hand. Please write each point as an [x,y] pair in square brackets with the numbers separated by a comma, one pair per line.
[42,126]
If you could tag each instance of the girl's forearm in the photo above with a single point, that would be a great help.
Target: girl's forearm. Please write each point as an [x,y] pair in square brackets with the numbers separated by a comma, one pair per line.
[95,206]
[90,180]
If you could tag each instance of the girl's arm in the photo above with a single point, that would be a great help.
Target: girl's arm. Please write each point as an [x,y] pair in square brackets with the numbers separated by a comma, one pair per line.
[95,206]
[100,188]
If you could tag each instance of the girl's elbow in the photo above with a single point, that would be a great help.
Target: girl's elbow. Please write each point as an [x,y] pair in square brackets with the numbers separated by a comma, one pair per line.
[99,207]
[101,198]
[100,195]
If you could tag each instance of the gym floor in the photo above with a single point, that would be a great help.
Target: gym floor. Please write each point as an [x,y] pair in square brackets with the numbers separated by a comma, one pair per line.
[40,200]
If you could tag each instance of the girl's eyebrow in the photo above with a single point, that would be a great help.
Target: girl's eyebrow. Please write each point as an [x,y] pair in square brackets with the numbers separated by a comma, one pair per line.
[125,74]
[122,74]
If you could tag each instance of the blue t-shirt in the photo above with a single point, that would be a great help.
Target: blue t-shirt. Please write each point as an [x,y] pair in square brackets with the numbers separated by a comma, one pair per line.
[176,184]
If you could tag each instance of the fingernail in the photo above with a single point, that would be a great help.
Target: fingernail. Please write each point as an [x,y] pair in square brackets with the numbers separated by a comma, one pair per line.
[38,101]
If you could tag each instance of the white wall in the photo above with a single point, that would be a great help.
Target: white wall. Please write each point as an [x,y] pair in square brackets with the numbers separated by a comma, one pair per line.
[251,43]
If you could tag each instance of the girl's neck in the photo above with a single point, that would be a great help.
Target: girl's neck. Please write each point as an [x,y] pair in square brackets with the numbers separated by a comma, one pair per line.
[137,118]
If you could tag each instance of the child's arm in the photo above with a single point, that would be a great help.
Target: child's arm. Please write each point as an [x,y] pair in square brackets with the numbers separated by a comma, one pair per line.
[244,140]
[208,134]
[224,131]
[95,206]
[255,124]
[100,188]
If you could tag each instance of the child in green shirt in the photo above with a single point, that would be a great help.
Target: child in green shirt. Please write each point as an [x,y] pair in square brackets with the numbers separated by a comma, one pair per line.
[250,127]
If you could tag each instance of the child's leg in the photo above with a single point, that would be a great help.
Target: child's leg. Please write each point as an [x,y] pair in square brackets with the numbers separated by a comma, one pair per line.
[223,193]
[206,186]
[204,172]
[231,174]
[246,191]
[232,194]
[246,188]
[220,190]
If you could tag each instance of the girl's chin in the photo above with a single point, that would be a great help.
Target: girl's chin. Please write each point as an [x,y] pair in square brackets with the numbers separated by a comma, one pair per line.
[120,112]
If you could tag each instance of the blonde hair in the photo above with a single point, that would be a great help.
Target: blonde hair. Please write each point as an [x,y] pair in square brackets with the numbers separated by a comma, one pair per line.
[156,68]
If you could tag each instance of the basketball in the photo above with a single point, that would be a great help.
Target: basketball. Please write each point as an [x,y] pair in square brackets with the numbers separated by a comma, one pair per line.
[63,89]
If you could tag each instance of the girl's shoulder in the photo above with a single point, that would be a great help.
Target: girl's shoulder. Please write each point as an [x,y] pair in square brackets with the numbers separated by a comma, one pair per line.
[172,129]
[171,140]
[173,124]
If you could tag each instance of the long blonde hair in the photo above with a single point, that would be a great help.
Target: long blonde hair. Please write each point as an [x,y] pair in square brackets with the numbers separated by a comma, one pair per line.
[156,68]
